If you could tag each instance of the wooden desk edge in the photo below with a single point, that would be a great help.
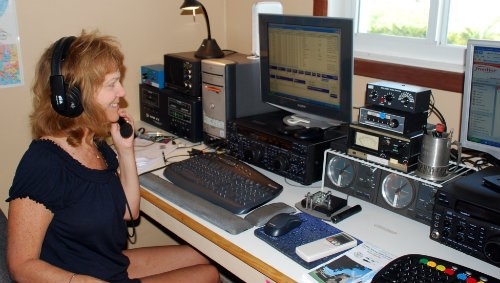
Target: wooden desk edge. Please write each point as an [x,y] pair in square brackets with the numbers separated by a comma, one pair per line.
[231,248]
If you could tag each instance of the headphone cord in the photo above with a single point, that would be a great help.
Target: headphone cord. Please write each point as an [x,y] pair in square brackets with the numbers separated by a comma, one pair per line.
[132,238]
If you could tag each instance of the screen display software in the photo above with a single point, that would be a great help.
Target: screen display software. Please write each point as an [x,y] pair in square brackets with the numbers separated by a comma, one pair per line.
[307,67]
[304,63]
[481,128]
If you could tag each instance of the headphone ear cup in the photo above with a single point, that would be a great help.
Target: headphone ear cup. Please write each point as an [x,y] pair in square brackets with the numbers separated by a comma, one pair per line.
[65,100]
[73,102]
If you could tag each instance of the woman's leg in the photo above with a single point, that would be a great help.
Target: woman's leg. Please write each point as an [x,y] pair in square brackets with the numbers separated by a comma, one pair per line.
[175,263]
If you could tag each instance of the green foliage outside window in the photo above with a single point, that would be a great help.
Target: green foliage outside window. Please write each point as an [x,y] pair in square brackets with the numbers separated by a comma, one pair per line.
[454,38]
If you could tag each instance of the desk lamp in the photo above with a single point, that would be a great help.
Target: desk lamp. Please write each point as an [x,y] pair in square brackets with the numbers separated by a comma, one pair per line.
[209,47]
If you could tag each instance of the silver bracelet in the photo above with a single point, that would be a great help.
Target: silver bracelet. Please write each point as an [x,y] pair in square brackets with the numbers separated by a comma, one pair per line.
[72,277]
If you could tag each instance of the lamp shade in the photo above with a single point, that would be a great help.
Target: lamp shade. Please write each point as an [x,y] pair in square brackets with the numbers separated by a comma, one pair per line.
[209,47]
[190,5]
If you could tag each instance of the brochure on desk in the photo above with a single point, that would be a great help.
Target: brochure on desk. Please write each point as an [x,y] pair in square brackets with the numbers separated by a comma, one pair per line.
[151,155]
[358,264]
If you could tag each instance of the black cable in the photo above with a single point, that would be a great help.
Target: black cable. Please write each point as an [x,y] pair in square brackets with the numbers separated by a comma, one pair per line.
[433,109]
[132,238]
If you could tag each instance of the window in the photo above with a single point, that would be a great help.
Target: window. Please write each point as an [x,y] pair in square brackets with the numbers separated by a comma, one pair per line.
[424,33]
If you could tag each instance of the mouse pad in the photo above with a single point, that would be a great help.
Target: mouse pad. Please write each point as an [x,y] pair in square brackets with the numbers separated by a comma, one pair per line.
[311,229]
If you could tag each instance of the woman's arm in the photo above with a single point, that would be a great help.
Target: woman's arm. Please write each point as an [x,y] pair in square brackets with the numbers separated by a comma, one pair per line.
[27,224]
[128,169]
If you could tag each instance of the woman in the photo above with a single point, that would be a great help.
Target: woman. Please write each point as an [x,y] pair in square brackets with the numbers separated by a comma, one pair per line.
[72,194]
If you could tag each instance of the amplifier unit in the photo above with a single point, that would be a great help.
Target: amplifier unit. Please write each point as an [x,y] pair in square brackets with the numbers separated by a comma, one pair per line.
[183,73]
[392,120]
[397,151]
[171,111]
[392,95]
[402,193]
[184,117]
[153,106]
[467,216]
[256,140]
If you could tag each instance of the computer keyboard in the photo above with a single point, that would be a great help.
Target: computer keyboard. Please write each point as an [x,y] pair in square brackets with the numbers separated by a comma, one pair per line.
[423,268]
[224,181]
[208,211]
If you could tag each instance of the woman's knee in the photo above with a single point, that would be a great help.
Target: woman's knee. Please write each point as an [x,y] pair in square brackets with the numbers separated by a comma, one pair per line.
[211,272]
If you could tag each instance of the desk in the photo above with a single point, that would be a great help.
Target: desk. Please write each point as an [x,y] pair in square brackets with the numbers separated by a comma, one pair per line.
[253,260]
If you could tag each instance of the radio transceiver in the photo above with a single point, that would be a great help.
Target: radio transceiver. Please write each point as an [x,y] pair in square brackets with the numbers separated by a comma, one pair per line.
[466,216]
[254,139]
[396,151]
[408,98]
[396,121]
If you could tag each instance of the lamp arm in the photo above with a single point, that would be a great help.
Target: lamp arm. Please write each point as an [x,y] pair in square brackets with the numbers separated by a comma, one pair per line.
[206,20]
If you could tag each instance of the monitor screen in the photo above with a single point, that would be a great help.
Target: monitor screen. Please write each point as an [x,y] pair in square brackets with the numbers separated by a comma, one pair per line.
[307,68]
[480,125]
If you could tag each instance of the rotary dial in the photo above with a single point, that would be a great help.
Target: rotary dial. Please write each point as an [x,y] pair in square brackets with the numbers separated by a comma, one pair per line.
[340,171]
[397,190]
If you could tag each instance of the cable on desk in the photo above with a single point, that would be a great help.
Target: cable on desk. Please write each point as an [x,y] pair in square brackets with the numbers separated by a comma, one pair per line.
[297,185]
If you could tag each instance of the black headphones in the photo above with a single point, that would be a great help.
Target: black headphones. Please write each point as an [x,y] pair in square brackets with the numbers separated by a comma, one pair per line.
[65,100]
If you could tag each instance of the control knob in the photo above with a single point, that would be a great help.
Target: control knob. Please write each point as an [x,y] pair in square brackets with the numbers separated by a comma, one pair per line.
[393,123]
[435,234]
[373,94]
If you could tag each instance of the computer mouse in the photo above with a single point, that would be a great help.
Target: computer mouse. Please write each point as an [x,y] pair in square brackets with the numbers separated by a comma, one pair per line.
[311,133]
[281,223]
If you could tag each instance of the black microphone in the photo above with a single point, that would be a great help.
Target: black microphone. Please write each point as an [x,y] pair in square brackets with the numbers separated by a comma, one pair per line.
[125,128]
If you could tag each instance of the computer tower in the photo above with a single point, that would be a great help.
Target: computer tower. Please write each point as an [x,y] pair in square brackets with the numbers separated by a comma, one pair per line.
[230,89]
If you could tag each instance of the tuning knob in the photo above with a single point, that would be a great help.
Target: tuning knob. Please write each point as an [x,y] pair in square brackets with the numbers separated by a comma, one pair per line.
[280,163]
[492,249]
[253,155]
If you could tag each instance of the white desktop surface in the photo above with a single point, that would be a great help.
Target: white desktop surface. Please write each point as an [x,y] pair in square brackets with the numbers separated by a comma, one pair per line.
[253,260]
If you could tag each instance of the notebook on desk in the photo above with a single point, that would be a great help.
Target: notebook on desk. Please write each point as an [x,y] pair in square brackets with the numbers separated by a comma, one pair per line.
[311,229]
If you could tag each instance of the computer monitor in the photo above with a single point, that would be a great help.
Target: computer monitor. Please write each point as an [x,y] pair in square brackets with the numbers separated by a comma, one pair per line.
[307,68]
[480,122]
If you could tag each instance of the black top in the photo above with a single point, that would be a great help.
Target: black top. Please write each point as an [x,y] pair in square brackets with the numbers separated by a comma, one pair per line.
[88,233]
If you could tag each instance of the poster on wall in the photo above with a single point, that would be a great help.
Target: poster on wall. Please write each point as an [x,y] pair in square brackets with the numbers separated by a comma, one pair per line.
[10,52]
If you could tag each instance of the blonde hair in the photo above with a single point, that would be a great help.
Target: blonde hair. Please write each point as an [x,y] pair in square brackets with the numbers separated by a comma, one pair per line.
[88,60]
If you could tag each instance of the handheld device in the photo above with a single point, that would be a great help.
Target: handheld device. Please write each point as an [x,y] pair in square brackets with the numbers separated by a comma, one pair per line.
[125,128]
[325,247]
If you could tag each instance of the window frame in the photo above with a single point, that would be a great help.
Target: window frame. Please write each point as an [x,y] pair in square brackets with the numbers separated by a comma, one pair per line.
[404,72]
